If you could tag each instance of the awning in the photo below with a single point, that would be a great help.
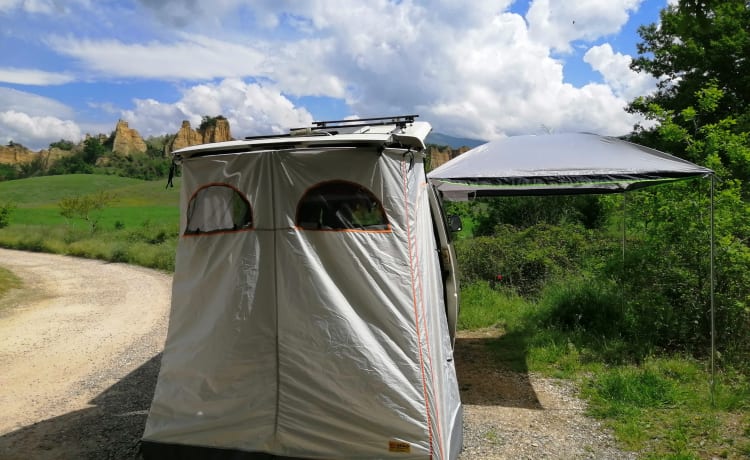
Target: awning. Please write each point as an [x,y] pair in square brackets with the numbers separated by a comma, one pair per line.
[558,164]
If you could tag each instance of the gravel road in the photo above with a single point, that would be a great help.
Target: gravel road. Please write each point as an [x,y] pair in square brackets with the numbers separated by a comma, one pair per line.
[80,347]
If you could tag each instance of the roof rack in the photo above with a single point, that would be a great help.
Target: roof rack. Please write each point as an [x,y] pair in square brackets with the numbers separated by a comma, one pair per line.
[399,120]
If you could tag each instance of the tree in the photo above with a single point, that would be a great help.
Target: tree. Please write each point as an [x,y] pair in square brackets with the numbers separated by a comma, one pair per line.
[698,41]
[701,112]
[85,207]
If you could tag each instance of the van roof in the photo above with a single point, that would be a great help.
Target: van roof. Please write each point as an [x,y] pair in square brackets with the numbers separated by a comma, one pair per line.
[397,131]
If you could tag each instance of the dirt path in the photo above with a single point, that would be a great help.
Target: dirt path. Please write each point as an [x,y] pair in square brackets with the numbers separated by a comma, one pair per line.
[79,354]
[76,329]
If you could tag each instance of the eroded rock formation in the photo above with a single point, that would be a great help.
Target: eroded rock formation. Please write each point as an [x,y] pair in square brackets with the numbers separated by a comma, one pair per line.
[127,140]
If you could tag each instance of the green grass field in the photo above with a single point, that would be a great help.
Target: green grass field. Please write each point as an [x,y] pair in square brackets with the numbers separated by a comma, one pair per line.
[139,225]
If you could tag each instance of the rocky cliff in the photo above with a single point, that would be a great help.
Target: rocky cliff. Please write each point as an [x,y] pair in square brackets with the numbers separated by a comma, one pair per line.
[16,154]
[217,131]
[127,140]
[438,155]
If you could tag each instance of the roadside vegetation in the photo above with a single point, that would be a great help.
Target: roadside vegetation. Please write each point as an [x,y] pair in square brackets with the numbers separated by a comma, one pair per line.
[612,292]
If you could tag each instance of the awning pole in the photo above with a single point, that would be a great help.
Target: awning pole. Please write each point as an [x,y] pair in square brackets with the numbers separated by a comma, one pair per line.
[713,314]
[624,221]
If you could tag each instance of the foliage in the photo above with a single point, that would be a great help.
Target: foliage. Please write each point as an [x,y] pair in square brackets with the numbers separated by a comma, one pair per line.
[694,43]
[62,144]
[8,172]
[526,211]
[35,167]
[85,207]
[6,210]
[526,258]
[209,122]
[144,167]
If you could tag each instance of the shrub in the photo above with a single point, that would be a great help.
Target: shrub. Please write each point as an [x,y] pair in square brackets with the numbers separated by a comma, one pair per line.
[5,212]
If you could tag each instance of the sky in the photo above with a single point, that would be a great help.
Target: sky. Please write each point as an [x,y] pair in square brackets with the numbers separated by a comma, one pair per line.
[481,69]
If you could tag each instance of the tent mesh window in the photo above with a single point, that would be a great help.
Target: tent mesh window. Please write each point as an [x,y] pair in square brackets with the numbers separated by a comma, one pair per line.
[218,208]
[340,205]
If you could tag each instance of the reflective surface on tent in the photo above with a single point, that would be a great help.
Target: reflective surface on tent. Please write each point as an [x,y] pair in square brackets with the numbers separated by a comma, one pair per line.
[570,163]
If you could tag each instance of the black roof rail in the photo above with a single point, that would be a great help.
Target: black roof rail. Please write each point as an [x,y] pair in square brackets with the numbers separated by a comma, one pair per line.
[399,120]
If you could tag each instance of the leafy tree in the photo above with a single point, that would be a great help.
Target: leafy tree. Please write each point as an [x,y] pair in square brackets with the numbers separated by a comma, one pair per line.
[8,172]
[62,144]
[208,121]
[92,150]
[698,41]
[702,113]
[85,207]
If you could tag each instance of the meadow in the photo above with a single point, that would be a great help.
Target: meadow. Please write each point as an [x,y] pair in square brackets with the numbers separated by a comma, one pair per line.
[138,225]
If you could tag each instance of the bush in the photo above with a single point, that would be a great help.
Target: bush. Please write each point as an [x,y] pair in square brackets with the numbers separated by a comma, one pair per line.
[5,212]
[526,259]
[589,305]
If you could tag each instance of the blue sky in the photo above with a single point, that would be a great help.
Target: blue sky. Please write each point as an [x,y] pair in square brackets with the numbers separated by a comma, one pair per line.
[488,70]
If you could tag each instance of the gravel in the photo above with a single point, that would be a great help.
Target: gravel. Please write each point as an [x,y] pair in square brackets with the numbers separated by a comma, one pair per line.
[80,351]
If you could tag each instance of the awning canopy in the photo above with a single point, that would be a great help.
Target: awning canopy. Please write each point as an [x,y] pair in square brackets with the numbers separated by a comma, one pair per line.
[558,164]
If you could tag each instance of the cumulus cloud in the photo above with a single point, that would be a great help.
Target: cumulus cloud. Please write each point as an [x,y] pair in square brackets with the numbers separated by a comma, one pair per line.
[479,71]
[615,68]
[35,132]
[556,24]
[250,108]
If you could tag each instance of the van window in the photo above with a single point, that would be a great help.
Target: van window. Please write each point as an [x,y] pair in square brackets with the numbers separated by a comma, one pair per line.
[340,205]
[218,208]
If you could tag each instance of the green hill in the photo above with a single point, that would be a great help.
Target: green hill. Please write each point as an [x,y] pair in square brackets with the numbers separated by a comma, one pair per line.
[135,201]
[46,190]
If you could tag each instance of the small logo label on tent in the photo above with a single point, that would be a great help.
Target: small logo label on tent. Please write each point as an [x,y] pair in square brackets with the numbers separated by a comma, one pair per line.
[399,446]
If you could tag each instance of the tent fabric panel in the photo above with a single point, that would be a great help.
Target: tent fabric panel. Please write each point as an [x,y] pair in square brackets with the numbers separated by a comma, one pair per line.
[347,365]
[222,324]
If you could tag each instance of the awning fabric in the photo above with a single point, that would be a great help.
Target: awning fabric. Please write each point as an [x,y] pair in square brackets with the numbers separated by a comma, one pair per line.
[558,164]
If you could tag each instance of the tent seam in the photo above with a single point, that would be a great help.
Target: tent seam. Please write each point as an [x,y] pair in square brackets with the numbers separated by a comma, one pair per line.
[420,281]
[416,310]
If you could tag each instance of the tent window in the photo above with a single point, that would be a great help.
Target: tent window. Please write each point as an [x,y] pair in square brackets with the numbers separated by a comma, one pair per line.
[340,205]
[218,208]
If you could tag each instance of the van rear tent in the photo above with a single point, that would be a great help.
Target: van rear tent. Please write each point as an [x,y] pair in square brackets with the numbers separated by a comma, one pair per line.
[308,309]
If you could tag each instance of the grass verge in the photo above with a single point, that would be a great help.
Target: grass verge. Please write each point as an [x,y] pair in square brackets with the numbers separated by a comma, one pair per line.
[8,281]
[661,406]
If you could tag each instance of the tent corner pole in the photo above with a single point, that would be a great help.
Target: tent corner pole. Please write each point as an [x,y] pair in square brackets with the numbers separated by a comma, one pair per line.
[713,287]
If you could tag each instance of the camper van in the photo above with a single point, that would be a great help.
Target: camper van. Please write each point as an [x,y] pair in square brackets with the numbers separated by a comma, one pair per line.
[314,301]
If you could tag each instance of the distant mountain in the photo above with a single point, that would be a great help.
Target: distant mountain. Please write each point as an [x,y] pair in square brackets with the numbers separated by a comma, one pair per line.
[453,142]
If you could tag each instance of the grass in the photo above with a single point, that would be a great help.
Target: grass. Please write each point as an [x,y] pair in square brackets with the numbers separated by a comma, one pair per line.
[659,406]
[8,281]
[140,226]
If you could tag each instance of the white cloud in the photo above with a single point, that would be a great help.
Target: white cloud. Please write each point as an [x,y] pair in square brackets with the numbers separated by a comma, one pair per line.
[556,24]
[615,68]
[33,120]
[35,132]
[250,109]
[33,77]
[32,104]
[33,6]
[477,71]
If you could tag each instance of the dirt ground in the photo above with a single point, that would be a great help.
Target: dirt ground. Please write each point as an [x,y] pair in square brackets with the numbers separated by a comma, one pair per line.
[80,346]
